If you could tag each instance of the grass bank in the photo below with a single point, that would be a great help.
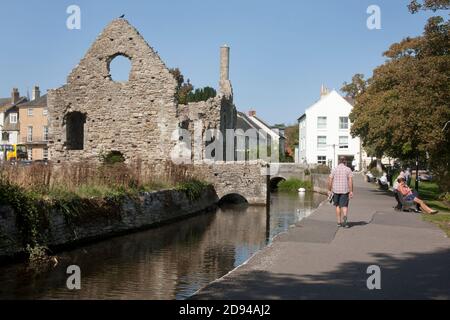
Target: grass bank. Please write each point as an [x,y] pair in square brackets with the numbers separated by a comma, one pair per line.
[442,220]
[292,185]
[429,192]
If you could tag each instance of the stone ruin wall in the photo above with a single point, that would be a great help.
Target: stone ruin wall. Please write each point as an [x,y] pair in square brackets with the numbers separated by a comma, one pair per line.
[138,117]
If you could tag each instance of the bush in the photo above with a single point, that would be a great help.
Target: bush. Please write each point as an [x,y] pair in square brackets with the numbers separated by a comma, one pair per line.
[292,185]
[193,189]
[112,157]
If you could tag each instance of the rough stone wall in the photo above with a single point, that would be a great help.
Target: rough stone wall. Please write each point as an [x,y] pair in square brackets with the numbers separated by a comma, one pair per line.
[248,179]
[216,113]
[153,208]
[136,117]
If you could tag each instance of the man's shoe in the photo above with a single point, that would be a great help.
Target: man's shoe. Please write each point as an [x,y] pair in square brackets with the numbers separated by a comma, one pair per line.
[339,225]
[345,224]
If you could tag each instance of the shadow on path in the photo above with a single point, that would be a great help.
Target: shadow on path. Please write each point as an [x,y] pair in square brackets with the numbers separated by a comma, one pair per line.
[417,276]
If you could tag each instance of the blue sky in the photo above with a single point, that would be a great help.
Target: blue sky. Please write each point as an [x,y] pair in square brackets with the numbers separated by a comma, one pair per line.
[281,51]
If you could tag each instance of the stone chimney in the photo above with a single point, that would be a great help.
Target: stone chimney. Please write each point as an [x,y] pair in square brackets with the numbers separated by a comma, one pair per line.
[15,96]
[252,113]
[224,63]
[36,94]
[225,83]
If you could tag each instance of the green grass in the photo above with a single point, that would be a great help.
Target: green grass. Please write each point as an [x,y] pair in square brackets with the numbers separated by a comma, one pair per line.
[442,220]
[292,185]
[429,192]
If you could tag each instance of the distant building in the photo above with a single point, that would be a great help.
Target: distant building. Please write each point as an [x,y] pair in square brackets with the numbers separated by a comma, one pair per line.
[9,118]
[267,135]
[34,126]
[325,132]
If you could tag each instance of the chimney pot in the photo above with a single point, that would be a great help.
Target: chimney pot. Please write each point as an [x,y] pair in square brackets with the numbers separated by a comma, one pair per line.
[15,96]
[36,94]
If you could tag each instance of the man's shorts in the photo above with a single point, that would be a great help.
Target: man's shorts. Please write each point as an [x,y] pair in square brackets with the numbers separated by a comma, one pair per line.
[341,200]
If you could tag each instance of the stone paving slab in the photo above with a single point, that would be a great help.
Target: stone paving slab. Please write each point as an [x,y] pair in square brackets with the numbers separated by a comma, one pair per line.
[310,230]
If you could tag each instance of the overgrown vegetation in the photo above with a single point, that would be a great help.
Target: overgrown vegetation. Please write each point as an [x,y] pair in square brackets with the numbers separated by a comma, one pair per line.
[193,189]
[293,185]
[185,90]
[82,192]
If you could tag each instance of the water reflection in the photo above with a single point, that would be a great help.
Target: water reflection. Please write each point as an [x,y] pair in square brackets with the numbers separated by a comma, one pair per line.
[171,262]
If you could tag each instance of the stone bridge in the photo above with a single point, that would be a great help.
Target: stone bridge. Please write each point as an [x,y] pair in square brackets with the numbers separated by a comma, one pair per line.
[285,171]
[251,181]
[235,181]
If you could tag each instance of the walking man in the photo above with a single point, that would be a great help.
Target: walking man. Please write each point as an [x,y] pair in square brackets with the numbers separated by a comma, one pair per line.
[340,183]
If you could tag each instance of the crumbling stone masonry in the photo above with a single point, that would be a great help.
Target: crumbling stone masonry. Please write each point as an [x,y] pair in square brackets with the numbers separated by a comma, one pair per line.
[93,115]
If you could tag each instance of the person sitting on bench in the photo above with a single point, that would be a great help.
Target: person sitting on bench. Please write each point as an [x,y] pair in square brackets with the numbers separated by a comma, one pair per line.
[410,195]
[383,182]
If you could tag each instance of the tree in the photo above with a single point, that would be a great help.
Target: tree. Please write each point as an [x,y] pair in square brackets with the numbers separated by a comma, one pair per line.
[405,105]
[356,87]
[434,5]
[183,88]
[292,136]
[202,94]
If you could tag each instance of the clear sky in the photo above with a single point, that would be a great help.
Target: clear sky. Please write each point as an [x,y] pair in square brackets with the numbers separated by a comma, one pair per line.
[281,51]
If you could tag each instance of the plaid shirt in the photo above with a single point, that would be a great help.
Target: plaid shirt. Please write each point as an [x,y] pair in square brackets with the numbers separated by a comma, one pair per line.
[340,177]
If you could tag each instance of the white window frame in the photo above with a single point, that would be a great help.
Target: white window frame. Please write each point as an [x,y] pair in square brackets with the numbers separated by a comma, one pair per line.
[321,146]
[30,153]
[322,125]
[13,116]
[30,134]
[322,160]
[342,122]
[45,112]
[30,112]
[344,145]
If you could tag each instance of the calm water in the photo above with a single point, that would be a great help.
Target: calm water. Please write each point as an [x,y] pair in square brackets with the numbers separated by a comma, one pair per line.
[171,262]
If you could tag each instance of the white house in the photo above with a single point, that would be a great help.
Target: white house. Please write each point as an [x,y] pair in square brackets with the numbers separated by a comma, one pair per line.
[325,132]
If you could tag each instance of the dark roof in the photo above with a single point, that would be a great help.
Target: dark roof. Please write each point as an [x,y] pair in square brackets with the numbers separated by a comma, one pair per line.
[5,107]
[350,100]
[39,102]
[303,116]
[247,123]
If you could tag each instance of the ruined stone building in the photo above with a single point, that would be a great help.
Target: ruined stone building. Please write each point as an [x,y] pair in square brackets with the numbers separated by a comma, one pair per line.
[93,114]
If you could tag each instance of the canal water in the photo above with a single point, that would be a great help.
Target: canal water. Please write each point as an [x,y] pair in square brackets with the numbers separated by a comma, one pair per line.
[170,262]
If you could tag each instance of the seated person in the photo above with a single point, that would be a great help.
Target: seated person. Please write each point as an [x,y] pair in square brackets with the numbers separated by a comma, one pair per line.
[409,195]
[383,181]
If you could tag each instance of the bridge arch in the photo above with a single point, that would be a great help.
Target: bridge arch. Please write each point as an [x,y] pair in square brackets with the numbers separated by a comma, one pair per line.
[233,198]
[275,181]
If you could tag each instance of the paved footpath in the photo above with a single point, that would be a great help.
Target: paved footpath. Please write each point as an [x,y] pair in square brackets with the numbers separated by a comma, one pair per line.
[315,260]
